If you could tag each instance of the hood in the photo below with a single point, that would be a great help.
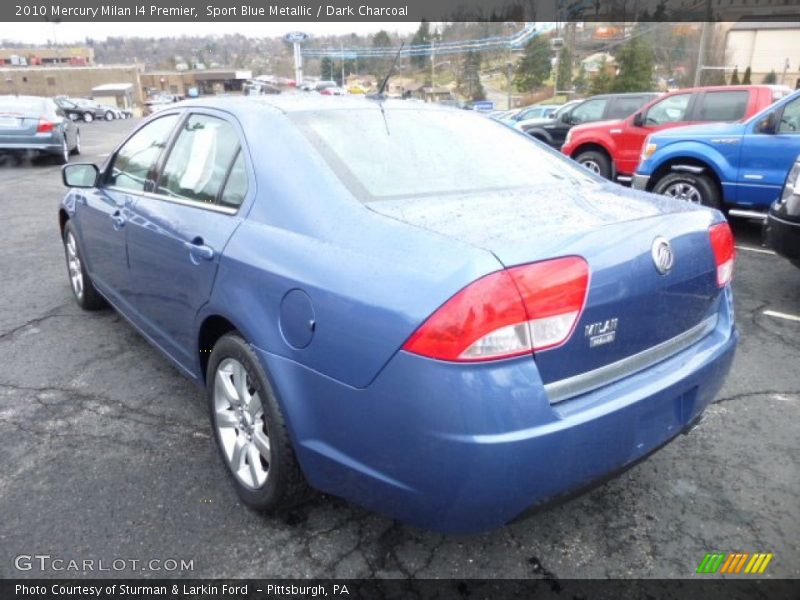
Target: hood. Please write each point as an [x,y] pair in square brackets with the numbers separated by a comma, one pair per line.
[527,123]
[522,225]
[597,125]
[694,131]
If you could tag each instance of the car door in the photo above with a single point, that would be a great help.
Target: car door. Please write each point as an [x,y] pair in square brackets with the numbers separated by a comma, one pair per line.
[103,212]
[587,111]
[767,157]
[667,112]
[178,232]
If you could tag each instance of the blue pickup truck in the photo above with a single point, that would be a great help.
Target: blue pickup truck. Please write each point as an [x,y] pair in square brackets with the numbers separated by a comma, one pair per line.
[735,166]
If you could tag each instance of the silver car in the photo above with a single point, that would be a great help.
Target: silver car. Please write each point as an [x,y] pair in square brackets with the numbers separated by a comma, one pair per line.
[32,125]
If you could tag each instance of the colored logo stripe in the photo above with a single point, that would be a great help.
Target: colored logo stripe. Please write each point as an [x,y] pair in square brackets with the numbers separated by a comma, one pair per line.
[733,562]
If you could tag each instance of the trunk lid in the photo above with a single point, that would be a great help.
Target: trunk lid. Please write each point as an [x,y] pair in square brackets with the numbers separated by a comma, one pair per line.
[614,229]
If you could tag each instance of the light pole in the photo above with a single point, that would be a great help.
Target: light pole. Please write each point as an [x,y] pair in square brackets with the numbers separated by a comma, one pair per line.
[509,73]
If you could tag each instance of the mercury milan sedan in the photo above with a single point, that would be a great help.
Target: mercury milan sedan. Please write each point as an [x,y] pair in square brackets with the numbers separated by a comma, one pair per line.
[414,308]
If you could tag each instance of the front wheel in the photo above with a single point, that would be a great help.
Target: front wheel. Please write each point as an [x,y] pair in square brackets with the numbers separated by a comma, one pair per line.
[85,293]
[88,117]
[596,162]
[250,429]
[109,115]
[690,187]
[62,157]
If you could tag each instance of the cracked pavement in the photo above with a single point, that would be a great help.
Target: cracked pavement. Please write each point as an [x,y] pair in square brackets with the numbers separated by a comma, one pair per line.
[105,450]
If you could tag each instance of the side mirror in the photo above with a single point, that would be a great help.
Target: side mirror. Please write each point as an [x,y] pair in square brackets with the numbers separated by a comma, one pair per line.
[767,124]
[638,119]
[567,118]
[80,175]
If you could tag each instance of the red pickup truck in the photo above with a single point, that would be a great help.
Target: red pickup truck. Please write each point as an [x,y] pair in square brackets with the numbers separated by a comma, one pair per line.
[612,148]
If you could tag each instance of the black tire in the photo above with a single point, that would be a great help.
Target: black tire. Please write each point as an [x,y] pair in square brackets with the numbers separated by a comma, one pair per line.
[77,149]
[285,485]
[109,115]
[596,161]
[88,117]
[62,157]
[697,188]
[89,298]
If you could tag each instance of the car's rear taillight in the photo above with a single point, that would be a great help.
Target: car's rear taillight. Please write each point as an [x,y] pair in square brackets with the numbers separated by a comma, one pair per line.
[508,313]
[45,126]
[724,251]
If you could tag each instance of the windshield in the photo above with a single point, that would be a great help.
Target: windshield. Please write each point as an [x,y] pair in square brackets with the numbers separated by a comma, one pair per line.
[404,153]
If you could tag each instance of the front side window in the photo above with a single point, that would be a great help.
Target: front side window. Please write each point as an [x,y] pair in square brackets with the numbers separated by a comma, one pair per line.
[723,106]
[790,119]
[625,106]
[669,110]
[135,160]
[200,159]
[591,110]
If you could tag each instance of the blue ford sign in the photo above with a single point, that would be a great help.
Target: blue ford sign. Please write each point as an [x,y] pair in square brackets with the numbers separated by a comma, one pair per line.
[296,36]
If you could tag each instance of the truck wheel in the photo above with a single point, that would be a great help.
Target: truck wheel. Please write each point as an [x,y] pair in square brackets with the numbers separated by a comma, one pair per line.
[698,189]
[596,162]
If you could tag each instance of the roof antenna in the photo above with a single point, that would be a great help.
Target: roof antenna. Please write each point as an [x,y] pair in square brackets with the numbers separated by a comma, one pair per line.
[379,94]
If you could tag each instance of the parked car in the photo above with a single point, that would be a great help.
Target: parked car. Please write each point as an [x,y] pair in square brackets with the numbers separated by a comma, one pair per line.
[741,166]
[530,125]
[73,110]
[36,125]
[323,85]
[535,111]
[782,226]
[612,148]
[95,110]
[333,91]
[596,108]
[446,345]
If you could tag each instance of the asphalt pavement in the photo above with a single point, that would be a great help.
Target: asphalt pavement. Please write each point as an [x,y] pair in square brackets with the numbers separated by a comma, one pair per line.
[106,452]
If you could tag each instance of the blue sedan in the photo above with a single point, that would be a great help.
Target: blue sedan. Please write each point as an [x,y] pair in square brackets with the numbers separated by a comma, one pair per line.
[413,308]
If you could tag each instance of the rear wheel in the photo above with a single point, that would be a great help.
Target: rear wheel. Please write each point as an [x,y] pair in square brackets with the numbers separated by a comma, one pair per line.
[88,117]
[62,157]
[690,187]
[85,293]
[596,162]
[250,429]
[77,149]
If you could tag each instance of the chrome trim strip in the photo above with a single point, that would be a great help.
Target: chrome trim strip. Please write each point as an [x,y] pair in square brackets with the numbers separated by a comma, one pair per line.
[747,214]
[227,210]
[564,389]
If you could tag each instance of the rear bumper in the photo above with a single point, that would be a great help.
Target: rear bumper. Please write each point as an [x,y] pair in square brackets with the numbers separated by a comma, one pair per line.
[48,146]
[466,449]
[639,182]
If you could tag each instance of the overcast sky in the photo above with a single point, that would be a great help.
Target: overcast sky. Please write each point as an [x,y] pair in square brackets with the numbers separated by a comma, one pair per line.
[40,33]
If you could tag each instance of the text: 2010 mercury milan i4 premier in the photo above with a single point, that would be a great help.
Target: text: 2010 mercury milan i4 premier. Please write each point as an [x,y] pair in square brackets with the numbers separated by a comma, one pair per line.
[414,308]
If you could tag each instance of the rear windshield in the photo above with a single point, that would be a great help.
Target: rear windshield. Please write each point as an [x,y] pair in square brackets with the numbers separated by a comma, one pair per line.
[12,104]
[401,153]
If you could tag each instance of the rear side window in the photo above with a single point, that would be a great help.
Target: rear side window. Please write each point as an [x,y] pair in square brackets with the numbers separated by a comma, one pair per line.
[670,110]
[236,186]
[591,110]
[135,160]
[790,119]
[200,159]
[625,106]
[722,106]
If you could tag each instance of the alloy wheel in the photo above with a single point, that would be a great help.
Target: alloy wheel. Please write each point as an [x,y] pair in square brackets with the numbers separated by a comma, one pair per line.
[591,165]
[74,266]
[241,424]
[682,190]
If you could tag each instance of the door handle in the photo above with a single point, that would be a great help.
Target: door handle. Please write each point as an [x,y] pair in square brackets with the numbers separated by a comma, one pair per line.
[197,249]
[118,220]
